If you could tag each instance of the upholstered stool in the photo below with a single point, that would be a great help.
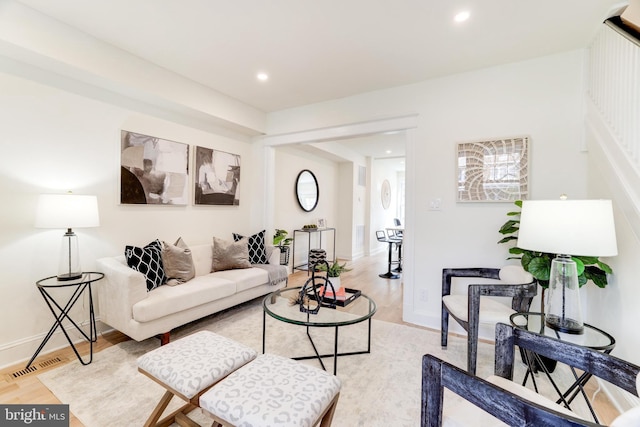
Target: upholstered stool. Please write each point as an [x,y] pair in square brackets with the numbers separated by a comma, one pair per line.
[190,366]
[273,390]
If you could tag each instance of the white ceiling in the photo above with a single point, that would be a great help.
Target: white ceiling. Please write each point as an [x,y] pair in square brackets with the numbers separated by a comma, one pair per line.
[317,50]
[326,49]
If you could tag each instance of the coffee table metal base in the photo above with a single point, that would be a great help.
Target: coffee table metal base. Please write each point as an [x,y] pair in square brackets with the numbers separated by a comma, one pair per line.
[317,354]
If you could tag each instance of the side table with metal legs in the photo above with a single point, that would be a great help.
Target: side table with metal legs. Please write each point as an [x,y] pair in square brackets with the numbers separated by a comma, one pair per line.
[62,311]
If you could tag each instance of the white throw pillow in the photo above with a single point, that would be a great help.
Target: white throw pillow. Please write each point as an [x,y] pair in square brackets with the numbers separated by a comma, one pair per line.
[515,275]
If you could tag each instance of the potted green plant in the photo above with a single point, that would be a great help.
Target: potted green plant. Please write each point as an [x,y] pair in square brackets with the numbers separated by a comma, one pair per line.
[539,263]
[334,272]
[282,242]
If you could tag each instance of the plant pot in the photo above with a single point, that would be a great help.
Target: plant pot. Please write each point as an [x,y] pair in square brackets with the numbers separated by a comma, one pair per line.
[335,281]
[284,254]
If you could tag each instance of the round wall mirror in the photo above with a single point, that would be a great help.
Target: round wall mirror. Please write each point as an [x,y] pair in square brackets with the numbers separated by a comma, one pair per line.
[307,190]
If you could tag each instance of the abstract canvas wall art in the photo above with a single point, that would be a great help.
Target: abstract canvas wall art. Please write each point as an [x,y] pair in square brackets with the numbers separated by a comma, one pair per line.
[217,177]
[153,171]
[493,170]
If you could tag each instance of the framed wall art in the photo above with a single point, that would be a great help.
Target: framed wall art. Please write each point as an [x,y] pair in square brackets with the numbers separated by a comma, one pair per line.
[217,177]
[153,171]
[494,170]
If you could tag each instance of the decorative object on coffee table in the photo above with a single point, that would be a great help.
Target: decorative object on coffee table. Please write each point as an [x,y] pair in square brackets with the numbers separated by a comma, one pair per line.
[309,298]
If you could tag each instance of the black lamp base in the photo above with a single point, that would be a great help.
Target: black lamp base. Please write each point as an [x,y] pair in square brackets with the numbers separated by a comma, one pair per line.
[568,326]
[68,276]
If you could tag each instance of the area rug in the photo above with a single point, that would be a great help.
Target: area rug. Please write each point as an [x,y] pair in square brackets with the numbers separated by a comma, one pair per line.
[382,388]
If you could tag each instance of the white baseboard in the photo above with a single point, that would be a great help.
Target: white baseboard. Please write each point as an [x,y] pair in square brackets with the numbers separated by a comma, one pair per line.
[20,351]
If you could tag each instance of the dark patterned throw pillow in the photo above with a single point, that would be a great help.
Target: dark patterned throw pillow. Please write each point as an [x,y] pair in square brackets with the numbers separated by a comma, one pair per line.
[148,261]
[257,251]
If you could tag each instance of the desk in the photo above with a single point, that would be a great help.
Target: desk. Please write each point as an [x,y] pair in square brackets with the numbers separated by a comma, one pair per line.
[61,312]
[592,337]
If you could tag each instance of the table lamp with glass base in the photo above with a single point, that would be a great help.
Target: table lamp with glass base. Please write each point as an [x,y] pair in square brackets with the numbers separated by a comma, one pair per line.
[576,227]
[68,211]
[562,310]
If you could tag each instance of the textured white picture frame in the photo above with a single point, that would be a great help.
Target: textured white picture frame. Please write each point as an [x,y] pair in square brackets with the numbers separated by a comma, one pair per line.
[495,170]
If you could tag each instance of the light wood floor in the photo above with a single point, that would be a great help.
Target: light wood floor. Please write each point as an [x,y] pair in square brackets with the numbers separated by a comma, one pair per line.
[27,389]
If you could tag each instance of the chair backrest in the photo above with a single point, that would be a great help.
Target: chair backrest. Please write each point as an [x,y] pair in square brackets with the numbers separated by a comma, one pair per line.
[396,222]
[609,368]
[507,406]
[381,236]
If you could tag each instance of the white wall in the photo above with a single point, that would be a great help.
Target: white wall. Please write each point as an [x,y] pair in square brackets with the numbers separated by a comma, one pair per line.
[288,214]
[540,98]
[614,308]
[54,141]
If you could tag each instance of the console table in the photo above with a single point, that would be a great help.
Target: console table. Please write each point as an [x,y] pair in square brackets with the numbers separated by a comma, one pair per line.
[310,232]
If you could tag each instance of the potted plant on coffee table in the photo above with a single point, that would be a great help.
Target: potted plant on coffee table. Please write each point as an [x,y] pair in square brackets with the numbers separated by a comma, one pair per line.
[334,272]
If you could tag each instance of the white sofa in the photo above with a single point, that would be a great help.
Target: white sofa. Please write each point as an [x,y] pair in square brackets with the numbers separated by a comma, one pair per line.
[126,305]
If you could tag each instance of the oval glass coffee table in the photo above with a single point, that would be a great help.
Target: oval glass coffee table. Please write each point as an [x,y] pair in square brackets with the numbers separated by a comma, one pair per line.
[278,306]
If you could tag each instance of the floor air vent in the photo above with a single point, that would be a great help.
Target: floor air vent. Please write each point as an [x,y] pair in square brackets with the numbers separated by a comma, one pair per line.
[37,367]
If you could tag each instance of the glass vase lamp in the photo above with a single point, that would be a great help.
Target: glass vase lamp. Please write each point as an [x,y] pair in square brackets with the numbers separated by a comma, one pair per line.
[566,228]
[67,211]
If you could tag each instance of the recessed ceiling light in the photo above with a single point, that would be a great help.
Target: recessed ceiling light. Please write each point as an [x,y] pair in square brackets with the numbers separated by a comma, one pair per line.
[388,151]
[462,16]
[263,77]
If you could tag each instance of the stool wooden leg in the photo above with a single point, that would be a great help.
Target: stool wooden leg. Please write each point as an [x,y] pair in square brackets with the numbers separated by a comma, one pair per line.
[159,409]
[184,421]
[327,418]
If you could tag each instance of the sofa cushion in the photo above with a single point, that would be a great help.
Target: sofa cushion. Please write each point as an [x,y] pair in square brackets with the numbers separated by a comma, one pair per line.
[228,255]
[178,262]
[245,278]
[257,251]
[202,258]
[148,261]
[167,300]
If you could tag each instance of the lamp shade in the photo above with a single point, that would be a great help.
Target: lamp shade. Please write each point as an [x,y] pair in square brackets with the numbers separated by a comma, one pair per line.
[571,227]
[67,211]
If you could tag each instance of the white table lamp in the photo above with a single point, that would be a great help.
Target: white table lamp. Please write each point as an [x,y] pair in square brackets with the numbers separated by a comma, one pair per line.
[566,228]
[68,211]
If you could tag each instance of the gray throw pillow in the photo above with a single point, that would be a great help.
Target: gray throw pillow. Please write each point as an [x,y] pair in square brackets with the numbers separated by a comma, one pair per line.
[229,255]
[178,262]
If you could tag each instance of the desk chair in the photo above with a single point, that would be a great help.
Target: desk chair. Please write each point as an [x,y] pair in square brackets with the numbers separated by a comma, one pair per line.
[470,310]
[499,397]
